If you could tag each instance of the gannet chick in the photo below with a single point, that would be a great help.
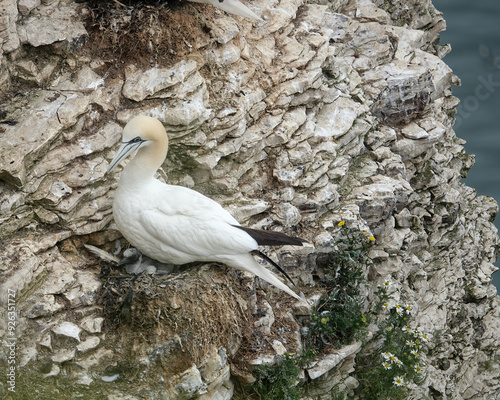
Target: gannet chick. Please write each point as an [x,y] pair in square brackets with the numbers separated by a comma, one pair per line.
[177,225]
[232,7]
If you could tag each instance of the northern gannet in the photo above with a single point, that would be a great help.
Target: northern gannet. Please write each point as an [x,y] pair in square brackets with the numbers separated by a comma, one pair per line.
[177,225]
[232,7]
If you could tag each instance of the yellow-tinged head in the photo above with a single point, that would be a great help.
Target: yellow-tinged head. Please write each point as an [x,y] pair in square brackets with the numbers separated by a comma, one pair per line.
[147,135]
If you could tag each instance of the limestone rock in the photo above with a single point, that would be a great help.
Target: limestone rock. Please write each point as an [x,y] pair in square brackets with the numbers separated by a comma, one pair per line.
[330,361]
[67,329]
[88,344]
[56,25]
[8,31]
[318,114]
[139,85]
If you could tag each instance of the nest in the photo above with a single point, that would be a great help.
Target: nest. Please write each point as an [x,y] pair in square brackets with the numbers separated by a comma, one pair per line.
[180,317]
[146,34]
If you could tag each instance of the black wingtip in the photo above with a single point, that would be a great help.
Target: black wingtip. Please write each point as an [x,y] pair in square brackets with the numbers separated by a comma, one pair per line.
[272,238]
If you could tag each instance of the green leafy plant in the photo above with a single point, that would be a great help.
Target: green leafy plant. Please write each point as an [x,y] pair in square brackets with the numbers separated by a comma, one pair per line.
[385,370]
[339,318]
[278,381]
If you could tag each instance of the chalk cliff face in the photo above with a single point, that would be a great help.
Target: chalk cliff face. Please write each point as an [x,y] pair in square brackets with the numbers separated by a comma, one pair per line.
[323,112]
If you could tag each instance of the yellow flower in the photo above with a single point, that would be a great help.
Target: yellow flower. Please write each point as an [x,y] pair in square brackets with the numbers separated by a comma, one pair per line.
[325,320]
[372,239]
[341,223]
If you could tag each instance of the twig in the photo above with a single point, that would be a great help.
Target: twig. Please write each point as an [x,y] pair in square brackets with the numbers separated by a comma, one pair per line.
[121,4]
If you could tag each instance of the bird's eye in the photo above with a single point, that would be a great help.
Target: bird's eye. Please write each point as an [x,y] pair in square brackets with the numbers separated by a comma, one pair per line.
[136,140]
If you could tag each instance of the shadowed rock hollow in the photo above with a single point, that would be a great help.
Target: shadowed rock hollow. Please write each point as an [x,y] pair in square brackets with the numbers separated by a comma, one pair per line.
[322,112]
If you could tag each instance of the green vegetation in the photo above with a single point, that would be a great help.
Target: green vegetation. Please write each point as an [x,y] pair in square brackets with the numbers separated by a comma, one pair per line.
[339,318]
[384,371]
[387,363]
[279,381]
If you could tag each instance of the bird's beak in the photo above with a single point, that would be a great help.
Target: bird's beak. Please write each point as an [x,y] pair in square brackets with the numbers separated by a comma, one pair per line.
[125,149]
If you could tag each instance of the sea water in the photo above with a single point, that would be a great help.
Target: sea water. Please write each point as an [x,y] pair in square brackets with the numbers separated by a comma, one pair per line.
[473,30]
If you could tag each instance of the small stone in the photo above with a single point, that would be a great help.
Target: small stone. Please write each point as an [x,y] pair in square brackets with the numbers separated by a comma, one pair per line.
[212,365]
[85,289]
[67,329]
[44,306]
[84,379]
[351,383]
[57,191]
[265,323]
[278,347]
[46,341]
[287,214]
[54,371]
[413,131]
[110,378]
[88,344]
[63,355]
[188,383]
[92,324]
[224,29]
[227,55]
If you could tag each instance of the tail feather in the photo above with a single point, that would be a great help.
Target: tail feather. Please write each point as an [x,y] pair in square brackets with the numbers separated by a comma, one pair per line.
[270,261]
[247,263]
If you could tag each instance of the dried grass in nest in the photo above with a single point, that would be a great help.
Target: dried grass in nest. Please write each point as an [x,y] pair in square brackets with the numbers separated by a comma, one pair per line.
[184,315]
[154,34]
[181,317]
[255,342]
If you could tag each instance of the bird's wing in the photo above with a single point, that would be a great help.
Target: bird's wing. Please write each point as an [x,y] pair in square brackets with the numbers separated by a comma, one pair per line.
[232,7]
[185,221]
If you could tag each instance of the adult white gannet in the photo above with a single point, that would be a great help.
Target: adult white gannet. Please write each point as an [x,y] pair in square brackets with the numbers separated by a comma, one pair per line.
[232,7]
[177,225]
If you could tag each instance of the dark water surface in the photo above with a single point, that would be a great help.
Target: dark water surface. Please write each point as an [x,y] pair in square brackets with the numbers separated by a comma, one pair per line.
[473,30]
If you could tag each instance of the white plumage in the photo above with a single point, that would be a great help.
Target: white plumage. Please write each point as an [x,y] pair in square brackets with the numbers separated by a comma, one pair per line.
[174,224]
[232,7]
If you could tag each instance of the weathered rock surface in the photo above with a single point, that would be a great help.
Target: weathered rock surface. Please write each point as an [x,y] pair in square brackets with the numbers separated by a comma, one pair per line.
[319,113]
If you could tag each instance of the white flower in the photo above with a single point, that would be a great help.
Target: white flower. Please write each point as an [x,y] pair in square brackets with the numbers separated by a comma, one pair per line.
[394,359]
[399,310]
[423,336]
[414,352]
[386,365]
[387,355]
[407,329]
[398,381]
[410,343]
[408,309]
[417,369]
[387,283]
